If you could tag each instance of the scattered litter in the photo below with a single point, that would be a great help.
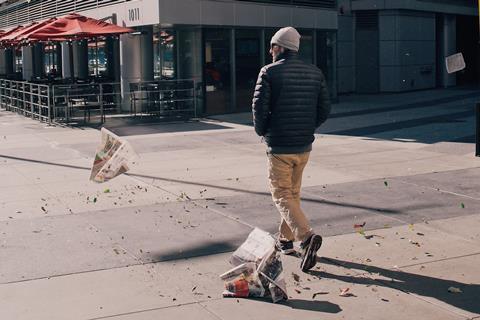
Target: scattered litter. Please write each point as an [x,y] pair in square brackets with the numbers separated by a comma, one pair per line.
[319,293]
[454,290]
[296,277]
[356,226]
[411,227]
[414,243]
[258,269]
[106,191]
[345,293]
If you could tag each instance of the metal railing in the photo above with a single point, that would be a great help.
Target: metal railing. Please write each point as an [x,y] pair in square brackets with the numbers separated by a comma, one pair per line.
[164,98]
[71,102]
[30,99]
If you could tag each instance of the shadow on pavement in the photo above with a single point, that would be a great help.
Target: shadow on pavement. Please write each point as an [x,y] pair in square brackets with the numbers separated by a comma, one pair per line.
[318,200]
[410,283]
[200,250]
[318,306]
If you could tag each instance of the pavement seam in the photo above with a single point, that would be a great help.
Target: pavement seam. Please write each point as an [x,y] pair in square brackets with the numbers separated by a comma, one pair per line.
[143,311]
[441,190]
[440,260]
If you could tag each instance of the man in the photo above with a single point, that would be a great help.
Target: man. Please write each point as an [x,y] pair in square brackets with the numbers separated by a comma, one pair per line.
[291,101]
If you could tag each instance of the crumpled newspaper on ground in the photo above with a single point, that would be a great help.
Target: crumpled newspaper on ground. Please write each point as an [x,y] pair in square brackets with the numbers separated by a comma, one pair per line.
[258,269]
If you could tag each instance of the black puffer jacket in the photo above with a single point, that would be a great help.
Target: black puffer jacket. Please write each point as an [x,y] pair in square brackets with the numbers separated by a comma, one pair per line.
[291,100]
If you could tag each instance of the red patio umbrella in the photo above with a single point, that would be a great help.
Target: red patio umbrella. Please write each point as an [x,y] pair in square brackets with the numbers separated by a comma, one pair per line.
[75,26]
[23,35]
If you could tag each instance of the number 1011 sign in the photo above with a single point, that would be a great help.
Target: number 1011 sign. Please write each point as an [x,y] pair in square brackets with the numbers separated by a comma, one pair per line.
[134,14]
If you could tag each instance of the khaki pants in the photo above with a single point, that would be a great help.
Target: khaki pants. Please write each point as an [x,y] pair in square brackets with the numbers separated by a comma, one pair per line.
[285,175]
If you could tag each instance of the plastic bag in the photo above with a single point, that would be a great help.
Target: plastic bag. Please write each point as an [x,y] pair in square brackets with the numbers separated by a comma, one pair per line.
[258,244]
[258,271]
[113,157]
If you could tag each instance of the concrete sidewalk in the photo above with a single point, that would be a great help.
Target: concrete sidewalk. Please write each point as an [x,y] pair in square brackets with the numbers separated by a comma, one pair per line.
[152,243]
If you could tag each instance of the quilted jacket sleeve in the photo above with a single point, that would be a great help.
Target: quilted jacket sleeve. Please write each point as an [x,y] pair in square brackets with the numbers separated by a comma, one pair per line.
[261,103]
[323,104]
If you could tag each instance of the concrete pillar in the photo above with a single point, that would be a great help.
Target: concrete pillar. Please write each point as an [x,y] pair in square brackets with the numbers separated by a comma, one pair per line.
[38,63]
[448,46]
[113,58]
[80,59]
[146,52]
[9,61]
[66,65]
[27,58]
[233,71]
[2,62]
[136,61]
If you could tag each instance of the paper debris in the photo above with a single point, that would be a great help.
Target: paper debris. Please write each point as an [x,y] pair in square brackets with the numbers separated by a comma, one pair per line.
[356,226]
[455,63]
[454,290]
[113,157]
[345,293]
[319,293]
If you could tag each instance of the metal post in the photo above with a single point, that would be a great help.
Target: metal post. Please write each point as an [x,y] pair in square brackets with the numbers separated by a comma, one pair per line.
[48,104]
[477,130]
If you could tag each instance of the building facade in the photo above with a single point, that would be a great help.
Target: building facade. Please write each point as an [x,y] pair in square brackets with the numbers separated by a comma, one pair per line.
[221,44]
[398,45]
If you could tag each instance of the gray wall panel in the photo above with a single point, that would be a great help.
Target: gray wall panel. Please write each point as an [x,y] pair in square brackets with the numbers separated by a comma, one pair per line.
[278,17]
[180,12]
[303,18]
[346,79]
[345,54]
[345,28]
[249,15]
[218,13]
[388,53]
[389,79]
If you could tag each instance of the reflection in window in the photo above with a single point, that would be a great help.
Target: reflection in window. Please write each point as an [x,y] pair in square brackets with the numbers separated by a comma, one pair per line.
[306,46]
[18,60]
[51,59]
[97,57]
[164,54]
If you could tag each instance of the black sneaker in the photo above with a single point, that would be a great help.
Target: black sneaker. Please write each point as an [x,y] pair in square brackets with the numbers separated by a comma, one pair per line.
[309,254]
[285,247]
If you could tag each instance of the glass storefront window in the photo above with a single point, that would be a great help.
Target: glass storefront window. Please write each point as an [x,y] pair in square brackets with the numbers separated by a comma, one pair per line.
[326,58]
[18,60]
[97,57]
[306,45]
[217,70]
[164,54]
[51,59]
[247,66]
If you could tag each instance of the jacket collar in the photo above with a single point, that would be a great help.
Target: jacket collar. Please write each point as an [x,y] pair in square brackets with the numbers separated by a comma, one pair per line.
[288,55]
